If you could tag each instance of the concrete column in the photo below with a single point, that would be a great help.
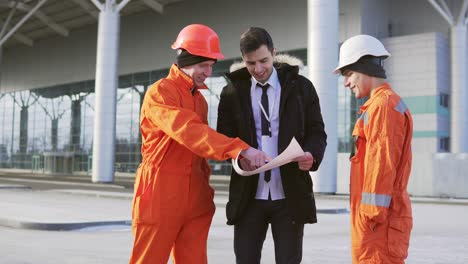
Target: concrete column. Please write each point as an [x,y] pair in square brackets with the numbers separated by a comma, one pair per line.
[106,89]
[459,96]
[1,56]
[322,58]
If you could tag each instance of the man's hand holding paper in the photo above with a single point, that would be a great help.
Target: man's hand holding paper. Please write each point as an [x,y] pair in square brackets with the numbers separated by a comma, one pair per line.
[305,162]
[293,152]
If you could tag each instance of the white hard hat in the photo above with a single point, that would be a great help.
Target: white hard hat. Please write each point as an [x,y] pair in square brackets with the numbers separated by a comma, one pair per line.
[358,46]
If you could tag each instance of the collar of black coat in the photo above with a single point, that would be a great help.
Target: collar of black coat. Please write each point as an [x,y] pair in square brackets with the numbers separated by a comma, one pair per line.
[282,62]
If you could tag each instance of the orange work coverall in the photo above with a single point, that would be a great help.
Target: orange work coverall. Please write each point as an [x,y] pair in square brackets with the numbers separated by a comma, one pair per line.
[381,217]
[173,201]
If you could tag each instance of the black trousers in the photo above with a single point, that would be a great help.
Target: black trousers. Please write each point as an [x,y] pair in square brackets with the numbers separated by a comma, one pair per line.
[250,233]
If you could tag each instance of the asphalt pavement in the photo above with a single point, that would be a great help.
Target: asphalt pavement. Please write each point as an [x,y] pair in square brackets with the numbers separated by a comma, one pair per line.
[68,219]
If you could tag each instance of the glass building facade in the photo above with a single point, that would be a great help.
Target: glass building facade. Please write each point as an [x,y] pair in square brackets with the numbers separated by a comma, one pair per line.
[50,129]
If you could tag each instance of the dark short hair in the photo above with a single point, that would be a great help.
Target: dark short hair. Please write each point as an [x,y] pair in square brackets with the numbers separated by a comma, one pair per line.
[253,38]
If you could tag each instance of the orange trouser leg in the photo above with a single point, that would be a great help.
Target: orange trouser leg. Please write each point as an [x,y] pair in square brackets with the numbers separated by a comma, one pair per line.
[190,244]
[152,243]
[370,246]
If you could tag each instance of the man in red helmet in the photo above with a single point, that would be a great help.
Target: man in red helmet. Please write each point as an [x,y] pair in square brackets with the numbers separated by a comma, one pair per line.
[173,201]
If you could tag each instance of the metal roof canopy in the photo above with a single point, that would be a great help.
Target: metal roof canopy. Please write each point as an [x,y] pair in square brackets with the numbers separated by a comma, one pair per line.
[24,21]
[65,89]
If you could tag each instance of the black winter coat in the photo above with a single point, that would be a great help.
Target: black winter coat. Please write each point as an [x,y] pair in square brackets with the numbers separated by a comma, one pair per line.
[299,117]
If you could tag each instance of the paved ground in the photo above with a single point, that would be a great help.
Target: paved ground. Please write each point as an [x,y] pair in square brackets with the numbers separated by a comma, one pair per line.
[440,233]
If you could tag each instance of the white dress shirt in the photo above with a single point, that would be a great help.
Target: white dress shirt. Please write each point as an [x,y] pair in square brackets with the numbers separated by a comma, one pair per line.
[274,187]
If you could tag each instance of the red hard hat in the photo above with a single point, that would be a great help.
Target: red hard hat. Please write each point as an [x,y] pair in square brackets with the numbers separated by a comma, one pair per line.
[199,40]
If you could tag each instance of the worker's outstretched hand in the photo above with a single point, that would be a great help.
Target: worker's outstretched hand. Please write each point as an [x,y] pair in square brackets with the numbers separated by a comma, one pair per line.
[245,165]
[253,158]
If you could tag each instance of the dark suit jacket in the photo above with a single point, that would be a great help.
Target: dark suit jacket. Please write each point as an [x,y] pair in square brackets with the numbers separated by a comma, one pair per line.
[299,117]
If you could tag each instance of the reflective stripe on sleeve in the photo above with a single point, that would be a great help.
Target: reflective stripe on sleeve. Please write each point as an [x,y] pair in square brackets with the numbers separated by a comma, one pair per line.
[401,107]
[365,118]
[376,199]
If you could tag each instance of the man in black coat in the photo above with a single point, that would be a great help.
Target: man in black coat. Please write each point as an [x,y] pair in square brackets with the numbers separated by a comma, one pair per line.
[266,104]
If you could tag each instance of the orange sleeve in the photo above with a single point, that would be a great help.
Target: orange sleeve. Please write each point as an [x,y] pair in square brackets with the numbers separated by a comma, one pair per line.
[385,136]
[162,107]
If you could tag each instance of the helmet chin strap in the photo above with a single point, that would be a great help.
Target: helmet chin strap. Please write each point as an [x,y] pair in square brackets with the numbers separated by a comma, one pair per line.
[193,90]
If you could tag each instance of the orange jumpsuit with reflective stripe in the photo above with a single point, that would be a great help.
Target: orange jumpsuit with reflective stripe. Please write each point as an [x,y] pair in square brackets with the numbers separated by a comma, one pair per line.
[173,201]
[381,217]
